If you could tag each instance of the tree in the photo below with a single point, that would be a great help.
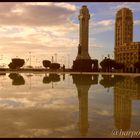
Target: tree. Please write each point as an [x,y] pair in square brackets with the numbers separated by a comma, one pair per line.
[46,63]
[16,63]
[107,64]
[54,66]
[12,66]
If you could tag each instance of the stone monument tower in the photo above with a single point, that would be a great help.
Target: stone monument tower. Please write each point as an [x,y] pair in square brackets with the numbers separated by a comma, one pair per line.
[83,34]
[83,61]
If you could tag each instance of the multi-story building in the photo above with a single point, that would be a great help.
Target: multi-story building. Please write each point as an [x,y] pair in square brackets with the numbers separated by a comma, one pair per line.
[126,51]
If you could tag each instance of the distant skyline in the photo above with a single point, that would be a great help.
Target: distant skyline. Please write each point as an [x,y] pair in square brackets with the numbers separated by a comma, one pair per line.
[50,28]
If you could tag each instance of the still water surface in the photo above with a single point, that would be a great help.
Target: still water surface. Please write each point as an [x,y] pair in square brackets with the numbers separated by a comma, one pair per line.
[51,105]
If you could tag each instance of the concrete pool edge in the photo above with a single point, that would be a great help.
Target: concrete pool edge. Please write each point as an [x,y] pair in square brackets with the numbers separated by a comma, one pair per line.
[59,72]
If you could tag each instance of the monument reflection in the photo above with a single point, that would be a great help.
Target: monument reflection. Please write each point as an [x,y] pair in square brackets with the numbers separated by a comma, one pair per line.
[126,89]
[83,83]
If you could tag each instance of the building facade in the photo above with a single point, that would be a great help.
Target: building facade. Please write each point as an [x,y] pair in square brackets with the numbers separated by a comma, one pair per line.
[126,51]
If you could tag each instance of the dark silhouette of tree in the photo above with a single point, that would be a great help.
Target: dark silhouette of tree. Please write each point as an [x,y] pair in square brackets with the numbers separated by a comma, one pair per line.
[17,79]
[19,62]
[16,63]
[12,66]
[108,64]
[55,66]
[46,63]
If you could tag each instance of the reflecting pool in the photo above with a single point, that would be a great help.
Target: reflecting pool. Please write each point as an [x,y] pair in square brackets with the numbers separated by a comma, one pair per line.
[70,105]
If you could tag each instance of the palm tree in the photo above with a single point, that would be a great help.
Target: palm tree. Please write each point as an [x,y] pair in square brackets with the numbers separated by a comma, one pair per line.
[107,64]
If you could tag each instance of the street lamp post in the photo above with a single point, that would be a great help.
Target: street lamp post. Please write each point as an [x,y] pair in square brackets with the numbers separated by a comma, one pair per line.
[68,60]
[30,58]
[55,57]
[52,59]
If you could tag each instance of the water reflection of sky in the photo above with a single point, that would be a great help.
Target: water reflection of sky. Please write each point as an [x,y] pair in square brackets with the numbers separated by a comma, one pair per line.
[71,107]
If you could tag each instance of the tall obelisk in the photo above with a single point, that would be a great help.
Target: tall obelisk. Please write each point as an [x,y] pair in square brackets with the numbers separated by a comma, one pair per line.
[83,61]
[83,36]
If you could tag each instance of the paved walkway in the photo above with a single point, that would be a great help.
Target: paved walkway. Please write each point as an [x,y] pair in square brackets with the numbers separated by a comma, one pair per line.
[59,72]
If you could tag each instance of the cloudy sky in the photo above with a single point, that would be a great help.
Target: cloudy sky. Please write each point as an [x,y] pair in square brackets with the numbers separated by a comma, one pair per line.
[52,29]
